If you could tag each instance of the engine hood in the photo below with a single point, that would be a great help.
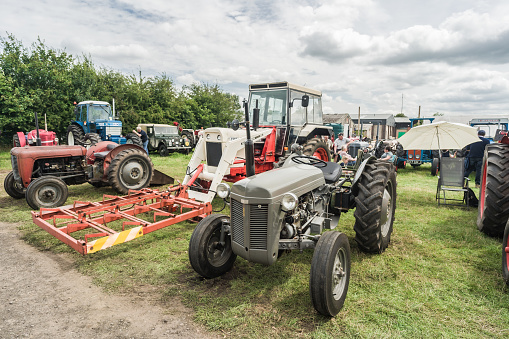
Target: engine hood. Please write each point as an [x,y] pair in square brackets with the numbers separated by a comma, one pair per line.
[270,186]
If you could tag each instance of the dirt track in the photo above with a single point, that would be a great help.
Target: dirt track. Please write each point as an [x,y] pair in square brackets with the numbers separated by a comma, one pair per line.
[43,296]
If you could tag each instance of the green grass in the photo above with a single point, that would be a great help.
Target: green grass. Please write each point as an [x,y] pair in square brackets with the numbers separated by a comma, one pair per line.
[440,277]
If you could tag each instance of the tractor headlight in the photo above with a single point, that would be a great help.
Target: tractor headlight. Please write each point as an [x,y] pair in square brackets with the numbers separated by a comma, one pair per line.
[289,201]
[223,190]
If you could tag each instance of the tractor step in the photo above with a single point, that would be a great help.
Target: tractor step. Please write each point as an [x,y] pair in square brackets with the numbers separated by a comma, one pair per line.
[119,219]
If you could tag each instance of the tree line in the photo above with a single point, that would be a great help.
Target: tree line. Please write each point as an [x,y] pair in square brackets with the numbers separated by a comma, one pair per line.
[42,79]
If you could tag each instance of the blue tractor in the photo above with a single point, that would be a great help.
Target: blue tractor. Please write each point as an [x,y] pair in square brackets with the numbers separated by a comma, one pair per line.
[95,121]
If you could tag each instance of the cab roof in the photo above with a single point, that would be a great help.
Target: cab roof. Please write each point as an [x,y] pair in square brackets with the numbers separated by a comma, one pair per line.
[283,84]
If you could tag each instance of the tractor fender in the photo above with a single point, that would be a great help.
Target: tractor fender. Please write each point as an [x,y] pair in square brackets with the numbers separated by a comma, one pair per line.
[98,148]
[310,131]
[361,169]
[22,139]
[113,153]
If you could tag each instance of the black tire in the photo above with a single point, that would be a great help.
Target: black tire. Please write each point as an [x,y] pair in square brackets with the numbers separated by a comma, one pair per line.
[15,140]
[400,152]
[317,148]
[494,191]
[130,169]
[163,150]
[46,192]
[91,139]
[207,257]
[379,149]
[505,254]
[132,138]
[375,201]
[434,166]
[330,273]
[189,136]
[14,189]
[75,135]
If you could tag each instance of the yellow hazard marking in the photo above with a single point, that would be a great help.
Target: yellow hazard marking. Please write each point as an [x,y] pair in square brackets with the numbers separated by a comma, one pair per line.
[114,239]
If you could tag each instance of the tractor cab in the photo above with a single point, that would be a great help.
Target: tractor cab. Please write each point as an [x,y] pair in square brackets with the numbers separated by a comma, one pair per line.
[490,126]
[294,111]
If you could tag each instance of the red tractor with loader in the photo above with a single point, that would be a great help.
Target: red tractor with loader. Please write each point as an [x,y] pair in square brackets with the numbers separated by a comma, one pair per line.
[493,213]
[41,174]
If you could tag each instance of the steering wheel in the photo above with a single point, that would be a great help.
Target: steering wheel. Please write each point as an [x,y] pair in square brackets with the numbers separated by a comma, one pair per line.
[307,160]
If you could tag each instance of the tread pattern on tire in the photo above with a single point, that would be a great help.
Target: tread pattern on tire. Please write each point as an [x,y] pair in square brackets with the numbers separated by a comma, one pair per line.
[494,212]
[135,139]
[119,159]
[312,145]
[78,134]
[92,139]
[30,195]
[368,202]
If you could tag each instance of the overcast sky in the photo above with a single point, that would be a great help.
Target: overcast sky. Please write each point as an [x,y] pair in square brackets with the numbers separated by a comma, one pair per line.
[446,56]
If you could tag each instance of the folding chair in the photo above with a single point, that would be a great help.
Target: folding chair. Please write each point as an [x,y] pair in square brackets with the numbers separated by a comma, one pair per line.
[452,179]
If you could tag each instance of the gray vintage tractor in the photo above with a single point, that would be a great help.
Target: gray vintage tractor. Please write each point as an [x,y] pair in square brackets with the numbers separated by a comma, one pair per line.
[288,208]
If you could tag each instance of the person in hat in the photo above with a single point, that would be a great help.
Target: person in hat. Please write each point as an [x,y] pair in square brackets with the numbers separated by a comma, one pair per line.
[473,160]
[338,145]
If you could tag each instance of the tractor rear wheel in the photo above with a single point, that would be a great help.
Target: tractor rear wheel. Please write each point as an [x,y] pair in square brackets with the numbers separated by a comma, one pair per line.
[494,191]
[130,169]
[46,192]
[505,254]
[75,135]
[91,139]
[163,150]
[14,189]
[375,201]
[330,273]
[317,148]
[15,140]
[434,166]
[132,138]
[208,257]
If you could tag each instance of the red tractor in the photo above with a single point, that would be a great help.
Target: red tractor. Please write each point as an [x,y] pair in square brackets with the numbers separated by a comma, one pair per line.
[36,137]
[494,195]
[41,174]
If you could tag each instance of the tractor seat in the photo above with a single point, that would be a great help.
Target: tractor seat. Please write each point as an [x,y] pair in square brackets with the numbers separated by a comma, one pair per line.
[103,154]
[331,172]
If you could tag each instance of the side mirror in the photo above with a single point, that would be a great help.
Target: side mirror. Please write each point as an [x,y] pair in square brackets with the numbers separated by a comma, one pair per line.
[305,100]
[235,124]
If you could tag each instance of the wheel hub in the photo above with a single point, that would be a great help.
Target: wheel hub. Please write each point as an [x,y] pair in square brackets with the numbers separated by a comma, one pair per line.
[338,274]
[132,173]
[47,194]
[386,213]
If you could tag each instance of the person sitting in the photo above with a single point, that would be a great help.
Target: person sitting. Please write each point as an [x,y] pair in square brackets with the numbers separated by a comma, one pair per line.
[387,156]
[347,158]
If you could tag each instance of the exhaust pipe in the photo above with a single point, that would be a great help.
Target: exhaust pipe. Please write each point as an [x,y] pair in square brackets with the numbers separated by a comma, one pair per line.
[249,144]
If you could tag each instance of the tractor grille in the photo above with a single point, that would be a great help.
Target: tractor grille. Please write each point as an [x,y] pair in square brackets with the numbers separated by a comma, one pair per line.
[257,224]
[237,222]
[15,171]
[116,130]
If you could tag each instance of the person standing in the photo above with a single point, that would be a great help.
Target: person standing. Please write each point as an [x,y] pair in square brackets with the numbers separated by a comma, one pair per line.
[473,160]
[338,145]
[144,137]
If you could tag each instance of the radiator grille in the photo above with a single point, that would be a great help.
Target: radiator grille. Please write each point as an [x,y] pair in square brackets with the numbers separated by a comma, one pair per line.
[113,130]
[258,225]
[237,222]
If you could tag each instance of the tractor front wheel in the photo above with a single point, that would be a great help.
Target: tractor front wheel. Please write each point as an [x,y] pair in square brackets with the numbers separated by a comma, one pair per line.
[131,169]
[375,201]
[208,256]
[505,254]
[330,273]
[494,192]
[46,192]
[75,135]
[132,138]
[317,148]
[15,190]
[91,139]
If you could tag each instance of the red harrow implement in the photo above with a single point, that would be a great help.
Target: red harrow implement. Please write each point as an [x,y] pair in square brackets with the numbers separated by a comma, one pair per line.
[136,214]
